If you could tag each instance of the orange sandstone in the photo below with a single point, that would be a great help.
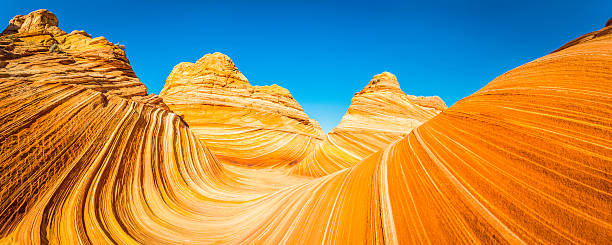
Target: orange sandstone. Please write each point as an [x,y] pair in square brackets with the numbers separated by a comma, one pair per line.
[378,115]
[526,159]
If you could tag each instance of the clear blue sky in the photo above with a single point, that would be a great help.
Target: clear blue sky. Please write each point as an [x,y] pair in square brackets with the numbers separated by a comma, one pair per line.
[324,52]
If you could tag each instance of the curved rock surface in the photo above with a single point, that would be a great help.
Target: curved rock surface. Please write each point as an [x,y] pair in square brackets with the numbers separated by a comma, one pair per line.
[240,123]
[34,49]
[378,115]
[526,159]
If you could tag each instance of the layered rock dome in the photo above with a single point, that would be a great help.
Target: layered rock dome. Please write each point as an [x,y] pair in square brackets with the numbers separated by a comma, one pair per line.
[241,123]
[524,160]
[379,114]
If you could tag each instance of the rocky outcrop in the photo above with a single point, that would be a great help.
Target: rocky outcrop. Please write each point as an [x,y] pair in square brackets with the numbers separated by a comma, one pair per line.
[379,114]
[241,123]
[383,106]
[38,21]
[34,49]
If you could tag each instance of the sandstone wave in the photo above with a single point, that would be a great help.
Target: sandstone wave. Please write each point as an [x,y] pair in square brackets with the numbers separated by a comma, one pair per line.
[86,160]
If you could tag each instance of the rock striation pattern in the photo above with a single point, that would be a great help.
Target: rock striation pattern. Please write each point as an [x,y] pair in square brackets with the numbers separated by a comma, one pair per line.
[240,123]
[526,159]
[378,115]
[34,49]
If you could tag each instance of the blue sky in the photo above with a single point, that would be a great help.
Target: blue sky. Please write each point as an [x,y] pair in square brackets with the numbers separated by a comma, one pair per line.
[324,51]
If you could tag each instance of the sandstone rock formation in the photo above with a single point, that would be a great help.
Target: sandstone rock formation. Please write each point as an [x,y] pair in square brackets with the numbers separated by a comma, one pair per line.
[240,123]
[526,159]
[34,49]
[378,115]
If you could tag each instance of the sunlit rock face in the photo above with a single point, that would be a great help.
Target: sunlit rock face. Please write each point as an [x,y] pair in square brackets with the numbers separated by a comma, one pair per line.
[378,115]
[34,49]
[526,159]
[240,123]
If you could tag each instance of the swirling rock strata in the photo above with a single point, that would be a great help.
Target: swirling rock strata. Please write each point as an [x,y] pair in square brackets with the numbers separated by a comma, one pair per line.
[240,123]
[526,159]
[34,49]
[378,115]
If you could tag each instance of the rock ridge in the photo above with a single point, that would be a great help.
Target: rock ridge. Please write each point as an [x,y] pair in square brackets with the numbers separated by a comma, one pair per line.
[34,49]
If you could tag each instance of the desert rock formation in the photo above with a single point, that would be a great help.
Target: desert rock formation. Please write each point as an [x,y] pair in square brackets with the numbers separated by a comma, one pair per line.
[526,159]
[378,115]
[34,49]
[240,123]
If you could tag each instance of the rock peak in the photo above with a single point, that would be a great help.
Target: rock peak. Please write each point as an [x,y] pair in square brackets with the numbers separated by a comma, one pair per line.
[217,61]
[387,82]
[218,71]
[225,111]
[382,81]
[213,67]
[39,20]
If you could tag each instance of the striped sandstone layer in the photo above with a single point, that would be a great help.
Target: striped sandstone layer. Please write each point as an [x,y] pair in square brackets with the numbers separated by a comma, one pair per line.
[378,115]
[34,49]
[526,159]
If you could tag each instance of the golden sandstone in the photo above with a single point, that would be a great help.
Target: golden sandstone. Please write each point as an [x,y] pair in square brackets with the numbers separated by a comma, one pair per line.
[379,114]
[88,157]
[240,123]
[33,49]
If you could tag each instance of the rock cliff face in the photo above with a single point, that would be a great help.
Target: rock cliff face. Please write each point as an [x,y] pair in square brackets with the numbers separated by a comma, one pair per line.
[34,49]
[240,123]
[378,115]
[526,159]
